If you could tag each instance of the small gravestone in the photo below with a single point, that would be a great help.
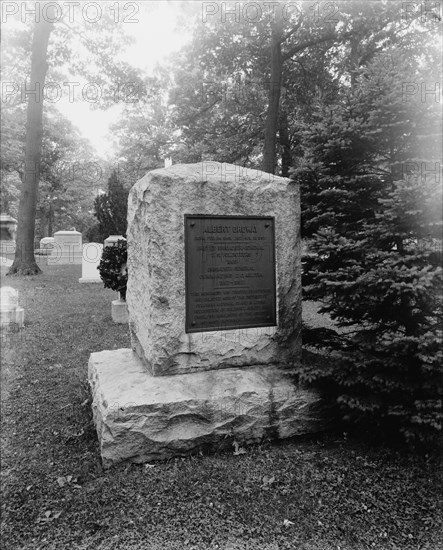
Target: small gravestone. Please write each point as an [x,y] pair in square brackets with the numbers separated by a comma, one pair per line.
[47,243]
[119,311]
[67,248]
[10,312]
[92,253]
[214,299]
[45,246]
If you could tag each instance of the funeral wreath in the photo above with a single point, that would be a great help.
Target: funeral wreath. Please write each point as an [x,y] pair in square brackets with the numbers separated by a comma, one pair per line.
[113,267]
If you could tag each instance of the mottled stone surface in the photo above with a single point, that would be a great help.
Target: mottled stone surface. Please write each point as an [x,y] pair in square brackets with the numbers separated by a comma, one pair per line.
[156,267]
[67,248]
[140,417]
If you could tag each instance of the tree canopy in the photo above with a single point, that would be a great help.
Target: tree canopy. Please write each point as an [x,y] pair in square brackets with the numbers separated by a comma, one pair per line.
[61,51]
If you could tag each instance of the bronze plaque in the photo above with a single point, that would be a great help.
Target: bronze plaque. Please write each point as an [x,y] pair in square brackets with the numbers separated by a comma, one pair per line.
[230,272]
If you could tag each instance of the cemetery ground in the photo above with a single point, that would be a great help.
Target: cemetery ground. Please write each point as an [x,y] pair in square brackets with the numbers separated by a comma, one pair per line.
[318,493]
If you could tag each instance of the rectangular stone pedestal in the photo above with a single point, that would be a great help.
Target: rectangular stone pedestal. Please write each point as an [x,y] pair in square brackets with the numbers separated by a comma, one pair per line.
[119,311]
[67,248]
[140,417]
[91,256]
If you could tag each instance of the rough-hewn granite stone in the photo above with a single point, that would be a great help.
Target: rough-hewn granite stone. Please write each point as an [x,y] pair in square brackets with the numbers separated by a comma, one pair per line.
[140,417]
[156,267]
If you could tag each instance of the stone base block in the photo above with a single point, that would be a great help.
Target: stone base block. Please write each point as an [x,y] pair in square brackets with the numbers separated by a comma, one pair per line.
[119,311]
[12,316]
[60,259]
[89,280]
[140,417]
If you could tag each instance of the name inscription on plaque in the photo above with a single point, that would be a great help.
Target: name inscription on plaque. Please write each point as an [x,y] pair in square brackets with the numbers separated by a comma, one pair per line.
[230,272]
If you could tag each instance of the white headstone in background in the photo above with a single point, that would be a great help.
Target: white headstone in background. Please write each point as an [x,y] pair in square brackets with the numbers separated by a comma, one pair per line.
[113,239]
[45,246]
[10,312]
[168,162]
[67,248]
[92,253]
[47,242]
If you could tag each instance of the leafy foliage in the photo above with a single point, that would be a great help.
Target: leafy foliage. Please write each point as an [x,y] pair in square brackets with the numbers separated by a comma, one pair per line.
[217,87]
[113,267]
[69,178]
[143,133]
[374,223]
[90,51]
[66,188]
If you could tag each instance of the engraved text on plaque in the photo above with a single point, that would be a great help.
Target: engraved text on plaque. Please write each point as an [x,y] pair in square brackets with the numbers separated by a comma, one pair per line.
[230,272]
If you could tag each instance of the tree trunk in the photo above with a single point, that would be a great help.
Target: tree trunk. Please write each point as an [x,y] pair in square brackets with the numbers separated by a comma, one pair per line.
[50,220]
[271,125]
[283,134]
[24,261]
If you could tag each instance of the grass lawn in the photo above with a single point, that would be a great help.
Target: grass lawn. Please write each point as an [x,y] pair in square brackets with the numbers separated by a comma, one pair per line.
[310,494]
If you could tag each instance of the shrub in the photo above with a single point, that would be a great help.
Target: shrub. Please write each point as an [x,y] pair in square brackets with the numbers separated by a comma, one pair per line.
[113,267]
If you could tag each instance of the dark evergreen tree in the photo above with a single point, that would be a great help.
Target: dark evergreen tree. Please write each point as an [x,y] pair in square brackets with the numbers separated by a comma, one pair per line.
[111,210]
[372,214]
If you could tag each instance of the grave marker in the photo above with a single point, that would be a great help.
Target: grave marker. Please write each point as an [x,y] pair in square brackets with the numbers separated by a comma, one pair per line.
[10,312]
[92,253]
[67,248]
[219,246]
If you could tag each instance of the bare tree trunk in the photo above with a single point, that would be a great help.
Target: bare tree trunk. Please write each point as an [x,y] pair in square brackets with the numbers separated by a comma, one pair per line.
[283,134]
[50,219]
[271,125]
[24,261]
[278,58]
